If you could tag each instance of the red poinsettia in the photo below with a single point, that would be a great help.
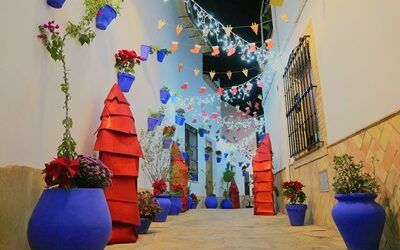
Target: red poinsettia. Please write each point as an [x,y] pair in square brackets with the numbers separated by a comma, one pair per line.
[176,189]
[292,190]
[125,60]
[159,187]
[61,172]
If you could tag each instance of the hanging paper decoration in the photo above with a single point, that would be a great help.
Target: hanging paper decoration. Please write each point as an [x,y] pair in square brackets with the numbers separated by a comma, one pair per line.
[202,90]
[215,51]
[277,2]
[194,121]
[196,49]
[205,31]
[269,43]
[180,67]
[161,23]
[245,72]
[234,90]
[229,74]
[219,108]
[228,30]
[249,86]
[260,84]
[189,107]
[185,85]
[257,105]
[284,17]
[178,29]
[212,74]
[174,46]
[252,47]
[231,50]
[247,110]
[196,72]
[227,131]
[237,108]
[214,115]
[203,113]
[254,114]
[249,103]
[254,27]
[260,97]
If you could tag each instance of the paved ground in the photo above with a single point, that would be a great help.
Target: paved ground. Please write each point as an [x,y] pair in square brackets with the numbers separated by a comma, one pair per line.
[233,229]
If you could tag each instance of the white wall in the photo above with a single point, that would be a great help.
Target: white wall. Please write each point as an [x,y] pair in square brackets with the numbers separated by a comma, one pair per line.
[357,50]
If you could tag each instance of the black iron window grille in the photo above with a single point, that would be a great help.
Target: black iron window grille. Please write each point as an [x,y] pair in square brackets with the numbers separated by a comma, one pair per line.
[191,150]
[301,111]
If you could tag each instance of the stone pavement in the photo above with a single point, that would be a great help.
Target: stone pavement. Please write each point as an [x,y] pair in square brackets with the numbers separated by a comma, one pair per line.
[233,229]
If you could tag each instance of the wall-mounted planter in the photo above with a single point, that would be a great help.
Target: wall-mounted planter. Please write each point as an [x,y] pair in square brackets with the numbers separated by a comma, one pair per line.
[202,132]
[167,142]
[164,96]
[160,119]
[206,157]
[144,52]
[104,17]
[226,155]
[56,3]
[180,120]
[219,159]
[161,55]
[151,123]
[125,81]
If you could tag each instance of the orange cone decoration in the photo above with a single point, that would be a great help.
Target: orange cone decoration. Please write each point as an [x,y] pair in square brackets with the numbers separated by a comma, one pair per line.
[182,174]
[234,194]
[120,150]
[263,179]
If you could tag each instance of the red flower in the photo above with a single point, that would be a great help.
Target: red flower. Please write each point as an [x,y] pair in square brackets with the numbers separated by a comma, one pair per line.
[61,171]
[159,187]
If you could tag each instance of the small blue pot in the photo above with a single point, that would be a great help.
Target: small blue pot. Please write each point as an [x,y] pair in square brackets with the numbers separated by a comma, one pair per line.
[161,55]
[194,205]
[202,132]
[125,81]
[176,205]
[226,204]
[144,52]
[226,155]
[296,214]
[151,123]
[195,177]
[190,201]
[106,14]
[56,3]
[160,119]
[180,120]
[184,155]
[144,226]
[165,204]
[164,96]
[167,142]
[206,156]
[219,159]
[211,202]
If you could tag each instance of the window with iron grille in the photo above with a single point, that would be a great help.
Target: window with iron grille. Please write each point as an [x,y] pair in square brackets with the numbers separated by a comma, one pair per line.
[191,150]
[301,111]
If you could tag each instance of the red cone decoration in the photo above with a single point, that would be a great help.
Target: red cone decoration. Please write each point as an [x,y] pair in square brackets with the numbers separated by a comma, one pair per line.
[120,150]
[234,194]
[182,176]
[263,179]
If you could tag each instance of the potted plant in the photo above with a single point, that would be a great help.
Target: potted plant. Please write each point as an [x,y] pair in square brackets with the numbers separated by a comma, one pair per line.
[211,200]
[296,210]
[208,151]
[161,53]
[168,133]
[219,156]
[107,11]
[227,177]
[56,3]
[72,212]
[164,94]
[125,61]
[180,116]
[359,218]
[195,201]
[202,132]
[176,191]
[161,115]
[163,199]
[145,51]
[148,210]
[152,120]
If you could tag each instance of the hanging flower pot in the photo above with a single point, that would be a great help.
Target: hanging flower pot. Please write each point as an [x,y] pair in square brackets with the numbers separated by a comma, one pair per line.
[202,132]
[164,96]
[206,156]
[144,52]
[160,119]
[144,225]
[165,204]
[167,142]
[226,204]
[180,120]
[56,3]
[125,81]
[161,55]
[296,213]
[184,155]
[244,173]
[151,123]
[104,17]
[211,201]
[176,205]
[219,159]
[226,155]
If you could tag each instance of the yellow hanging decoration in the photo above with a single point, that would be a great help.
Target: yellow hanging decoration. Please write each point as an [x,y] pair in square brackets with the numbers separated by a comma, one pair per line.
[285,17]
[178,29]
[228,30]
[212,74]
[180,67]
[254,27]
[196,72]
[277,2]
[245,72]
[229,74]
[161,23]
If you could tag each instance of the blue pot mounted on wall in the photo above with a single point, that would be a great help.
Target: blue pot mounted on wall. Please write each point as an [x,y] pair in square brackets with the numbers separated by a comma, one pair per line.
[144,52]
[160,119]
[296,214]
[202,132]
[125,81]
[184,155]
[180,120]
[104,17]
[206,157]
[219,159]
[176,205]
[164,96]
[226,204]
[161,55]
[226,155]
[151,123]
[144,226]
[360,220]
[211,201]
[75,219]
[167,142]
[56,3]
[165,204]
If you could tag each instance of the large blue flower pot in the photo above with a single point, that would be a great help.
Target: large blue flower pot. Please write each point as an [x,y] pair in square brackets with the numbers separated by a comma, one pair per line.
[151,123]
[144,226]
[125,81]
[160,119]
[167,142]
[165,204]
[70,220]
[190,200]
[226,204]
[164,96]
[106,14]
[360,220]
[206,157]
[56,3]
[176,205]
[194,205]
[161,55]
[219,159]
[180,120]
[296,214]
[211,202]
[144,52]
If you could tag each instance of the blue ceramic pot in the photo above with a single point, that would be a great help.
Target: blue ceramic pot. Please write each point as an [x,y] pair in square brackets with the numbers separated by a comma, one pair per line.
[211,201]
[195,177]
[151,123]
[184,155]
[226,155]
[219,159]
[360,220]
[190,200]
[144,226]
[296,214]
[194,205]
[56,3]
[180,120]
[125,81]
[161,55]
[176,205]
[261,137]
[160,119]
[206,156]
[164,96]
[202,132]
[165,204]
[144,52]
[67,220]
[226,204]
[167,142]
[106,14]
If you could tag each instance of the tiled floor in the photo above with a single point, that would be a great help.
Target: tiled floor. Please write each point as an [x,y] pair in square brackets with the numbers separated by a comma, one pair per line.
[233,229]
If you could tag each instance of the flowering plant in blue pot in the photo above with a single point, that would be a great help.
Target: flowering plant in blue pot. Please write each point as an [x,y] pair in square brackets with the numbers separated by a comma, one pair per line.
[180,116]
[219,156]
[125,61]
[168,133]
[208,151]
[164,94]
[148,210]
[228,177]
[359,218]
[56,3]
[296,210]
[107,10]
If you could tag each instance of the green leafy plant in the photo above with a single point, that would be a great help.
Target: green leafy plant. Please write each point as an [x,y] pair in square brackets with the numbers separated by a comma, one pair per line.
[227,177]
[292,190]
[218,152]
[350,179]
[180,112]
[155,49]
[165,88]
[208,149]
